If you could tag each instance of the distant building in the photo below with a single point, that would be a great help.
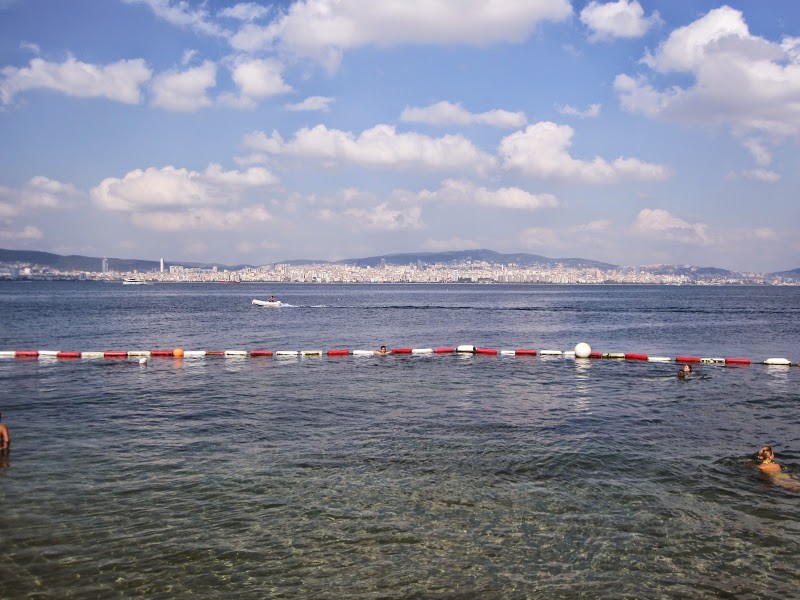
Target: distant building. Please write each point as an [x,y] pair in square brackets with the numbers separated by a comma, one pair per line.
[162,265]
[105,265]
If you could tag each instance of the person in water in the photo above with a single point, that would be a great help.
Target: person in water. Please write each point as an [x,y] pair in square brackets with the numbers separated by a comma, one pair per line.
[5,440]
[768,465]
[382,350]
[684,372]
[272,298]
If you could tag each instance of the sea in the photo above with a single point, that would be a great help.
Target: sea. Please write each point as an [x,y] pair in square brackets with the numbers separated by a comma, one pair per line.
[443,476]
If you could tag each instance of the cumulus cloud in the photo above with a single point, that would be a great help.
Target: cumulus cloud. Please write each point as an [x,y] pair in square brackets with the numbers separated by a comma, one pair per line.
[186,90]
[256,79]
[379,147]
[119,81]
[659,224]
[542,151]
[323,29]
[592,111]
[510,198]
[743,81]
[446,113]
[37,193]
[170,199]
[311,103]
[621,19]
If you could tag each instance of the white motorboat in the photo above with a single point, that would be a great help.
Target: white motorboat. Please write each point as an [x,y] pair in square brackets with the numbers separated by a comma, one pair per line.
[134,281]
[267,302]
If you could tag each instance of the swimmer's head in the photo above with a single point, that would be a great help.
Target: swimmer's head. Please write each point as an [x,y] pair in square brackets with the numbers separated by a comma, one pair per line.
[687,368]
[766,453]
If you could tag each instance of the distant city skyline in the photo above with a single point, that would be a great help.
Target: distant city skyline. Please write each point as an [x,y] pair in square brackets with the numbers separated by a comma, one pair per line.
[627,131]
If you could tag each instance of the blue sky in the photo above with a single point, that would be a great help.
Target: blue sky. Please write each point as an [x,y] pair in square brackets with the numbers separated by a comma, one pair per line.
[631,132]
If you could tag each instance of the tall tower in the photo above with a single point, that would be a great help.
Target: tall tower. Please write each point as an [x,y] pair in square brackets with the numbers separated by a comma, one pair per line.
[162,265]
[105,265]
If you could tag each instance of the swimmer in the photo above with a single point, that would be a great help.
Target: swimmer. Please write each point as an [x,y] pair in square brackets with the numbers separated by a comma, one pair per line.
[767,457]
[272,298]
[683,373]
[382,350]
[5,440]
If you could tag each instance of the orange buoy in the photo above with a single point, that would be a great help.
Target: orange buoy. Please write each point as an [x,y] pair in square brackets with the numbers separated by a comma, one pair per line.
[177,352]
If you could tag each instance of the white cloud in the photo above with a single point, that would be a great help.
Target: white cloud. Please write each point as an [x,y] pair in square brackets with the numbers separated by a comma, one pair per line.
[446,113]
[379,147]
[454,243]
[260,78]
[180,13]
[30,47]
[743,81]
[185,90]
[621,19]
[118,81]
[311,103]
[170,199]
[245,11]
[764,175]
[504,198]
[659,224]
[541,151]
[592,111]
[37,193]
[28,233]
[385,217]
[256,79]
[322,29]
[591,227]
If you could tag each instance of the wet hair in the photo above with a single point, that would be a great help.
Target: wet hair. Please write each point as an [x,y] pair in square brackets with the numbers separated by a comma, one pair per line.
[766,453]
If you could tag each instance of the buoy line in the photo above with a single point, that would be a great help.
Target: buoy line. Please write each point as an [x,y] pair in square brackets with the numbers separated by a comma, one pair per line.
[581,351]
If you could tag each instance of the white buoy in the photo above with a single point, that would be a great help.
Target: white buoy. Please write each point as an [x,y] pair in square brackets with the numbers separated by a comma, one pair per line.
[583,350]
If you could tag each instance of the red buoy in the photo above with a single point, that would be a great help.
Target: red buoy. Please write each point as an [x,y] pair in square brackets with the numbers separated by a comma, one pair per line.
[68,355]
[525,352]
[115,354]
[595,355]
[485,351]
[26,353]
[737,361]
[338,352]
[261,353]
[688,359]
[444,350]
[401,351]
[161,353]
[636,357]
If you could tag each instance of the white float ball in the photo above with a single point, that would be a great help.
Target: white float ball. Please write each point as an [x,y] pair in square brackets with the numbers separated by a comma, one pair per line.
[583,350]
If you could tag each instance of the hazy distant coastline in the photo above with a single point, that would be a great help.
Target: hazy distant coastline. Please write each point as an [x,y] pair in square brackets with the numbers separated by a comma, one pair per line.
[466,266]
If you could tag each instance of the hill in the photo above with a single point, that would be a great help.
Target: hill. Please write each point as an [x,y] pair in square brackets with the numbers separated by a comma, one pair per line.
[464,256]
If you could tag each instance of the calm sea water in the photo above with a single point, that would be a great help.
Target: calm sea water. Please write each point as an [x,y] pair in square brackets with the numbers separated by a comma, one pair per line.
[436,476]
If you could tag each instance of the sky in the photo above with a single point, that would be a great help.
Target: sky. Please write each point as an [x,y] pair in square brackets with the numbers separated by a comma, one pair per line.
[630,132]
